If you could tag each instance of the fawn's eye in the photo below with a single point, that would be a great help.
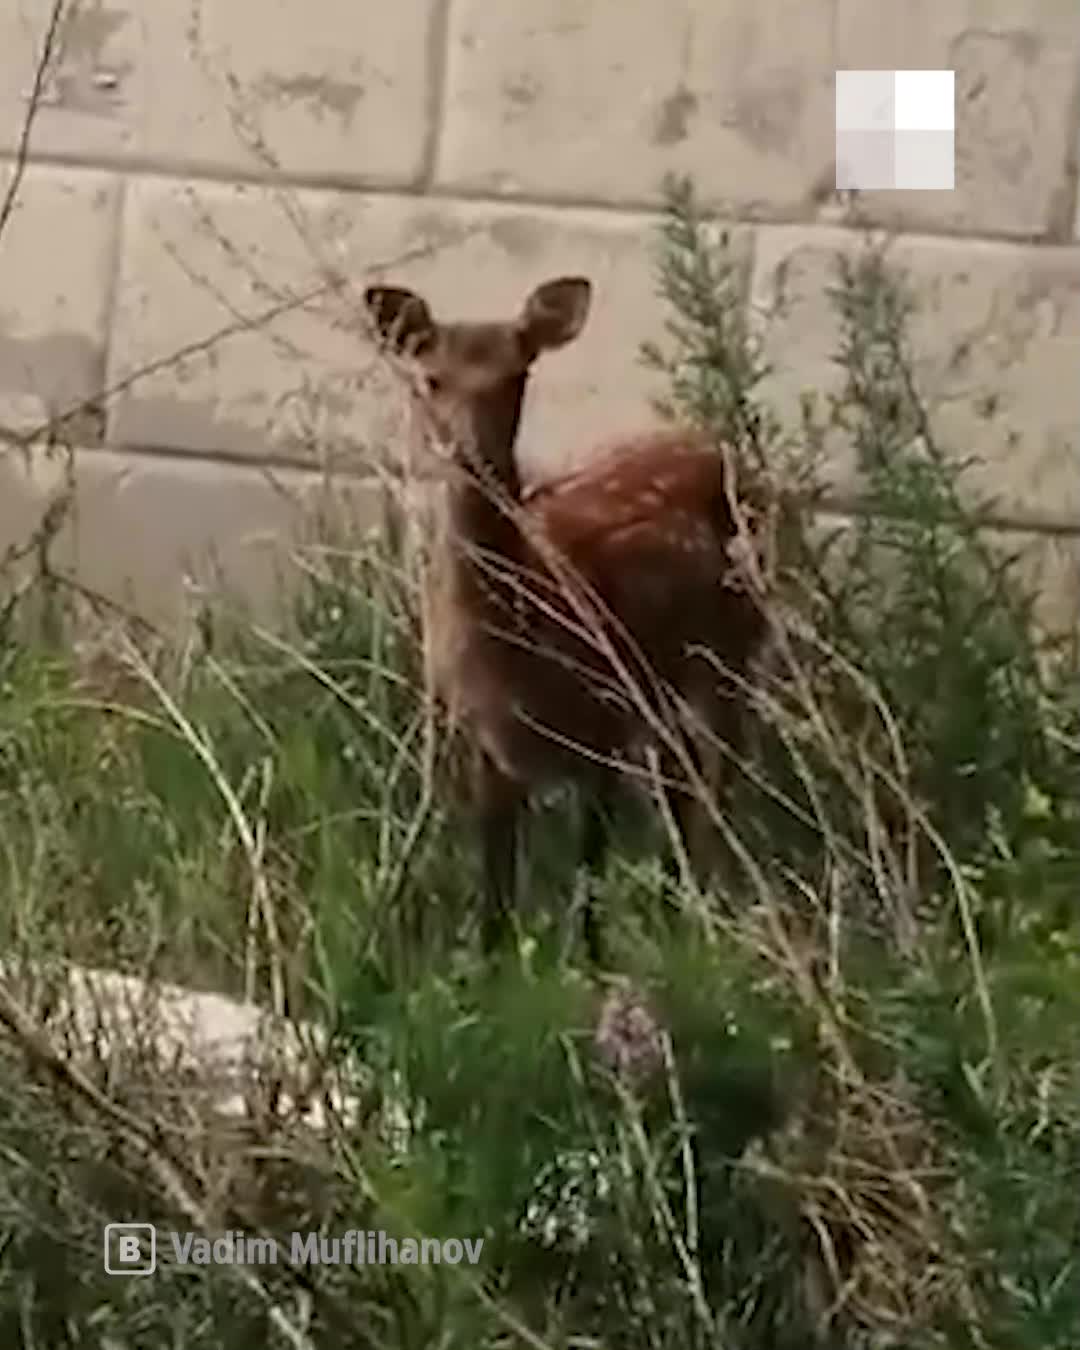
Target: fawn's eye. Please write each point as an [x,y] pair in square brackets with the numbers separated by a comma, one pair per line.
[435,384]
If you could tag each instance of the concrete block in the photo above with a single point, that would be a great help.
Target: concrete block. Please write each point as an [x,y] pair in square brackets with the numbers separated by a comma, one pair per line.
[225,1048]
[308,387]
[56,265]
[335,91]
[996,345]
[1017,66]
[597,103]
[96,88]
[331,90]
[153,533]
[198,364]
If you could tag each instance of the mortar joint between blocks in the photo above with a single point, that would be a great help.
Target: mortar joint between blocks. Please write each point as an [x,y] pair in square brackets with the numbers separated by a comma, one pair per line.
[439,38]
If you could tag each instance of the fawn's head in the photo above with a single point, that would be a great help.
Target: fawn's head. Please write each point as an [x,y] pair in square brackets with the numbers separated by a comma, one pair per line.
[472,376]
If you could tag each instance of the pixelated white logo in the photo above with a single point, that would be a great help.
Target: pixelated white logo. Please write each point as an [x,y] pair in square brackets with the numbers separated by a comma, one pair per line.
[130,1249]
[895,129]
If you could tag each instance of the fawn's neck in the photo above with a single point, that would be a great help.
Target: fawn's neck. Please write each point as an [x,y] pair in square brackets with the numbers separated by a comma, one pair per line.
[485,494]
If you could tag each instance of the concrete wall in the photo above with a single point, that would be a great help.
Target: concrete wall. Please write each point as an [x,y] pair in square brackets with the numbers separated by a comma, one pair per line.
[199,167]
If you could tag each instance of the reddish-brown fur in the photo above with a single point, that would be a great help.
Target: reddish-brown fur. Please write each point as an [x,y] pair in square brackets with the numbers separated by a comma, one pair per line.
[581,606]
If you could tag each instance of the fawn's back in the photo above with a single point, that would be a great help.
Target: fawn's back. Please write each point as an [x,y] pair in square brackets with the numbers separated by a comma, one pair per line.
[625,586]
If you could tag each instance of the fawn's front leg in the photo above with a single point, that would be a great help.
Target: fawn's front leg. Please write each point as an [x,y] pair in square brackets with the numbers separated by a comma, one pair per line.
[595,841]
[499,802]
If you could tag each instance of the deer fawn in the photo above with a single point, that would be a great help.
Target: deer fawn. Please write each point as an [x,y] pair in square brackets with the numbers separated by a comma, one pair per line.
[577,609]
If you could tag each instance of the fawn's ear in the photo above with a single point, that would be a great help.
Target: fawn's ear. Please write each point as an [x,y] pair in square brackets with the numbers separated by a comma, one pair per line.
[555,313]
[401,317]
